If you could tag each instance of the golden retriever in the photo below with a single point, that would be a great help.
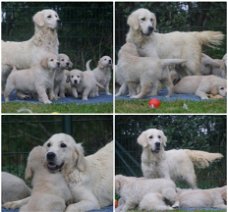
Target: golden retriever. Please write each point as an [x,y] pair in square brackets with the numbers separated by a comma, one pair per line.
[172,164]
[180,45]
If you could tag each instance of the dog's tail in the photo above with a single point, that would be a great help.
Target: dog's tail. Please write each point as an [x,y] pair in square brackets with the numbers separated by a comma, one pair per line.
[202,159]
[88,65]
[167,62]
[210,38]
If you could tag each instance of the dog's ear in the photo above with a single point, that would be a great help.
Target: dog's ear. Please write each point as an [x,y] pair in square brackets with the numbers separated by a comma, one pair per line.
[214,90]
[44,63]
[80,162]
[100,65]
[164,138]
[28,172]
[142,140]
[133,22]
[117,183]
[38,19]
[154,22]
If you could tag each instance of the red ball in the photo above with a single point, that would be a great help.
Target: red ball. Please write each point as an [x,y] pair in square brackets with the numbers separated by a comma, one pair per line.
[154,103]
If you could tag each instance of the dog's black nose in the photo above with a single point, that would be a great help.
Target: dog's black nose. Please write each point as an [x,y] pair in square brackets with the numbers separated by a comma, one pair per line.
[110,61]
[157,144]
[51,155]
[67,64]
[75,81]
[58,64]
[150,29]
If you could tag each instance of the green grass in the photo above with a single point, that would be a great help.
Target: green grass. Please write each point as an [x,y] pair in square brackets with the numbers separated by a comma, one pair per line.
[141,106]
[13,107]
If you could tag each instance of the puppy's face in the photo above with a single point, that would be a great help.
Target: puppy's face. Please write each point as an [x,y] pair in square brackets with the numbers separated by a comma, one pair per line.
[63,152]
[105,61]
[50,62]
[222,90]
[142,20]
[65,62]
[46,18]
[76,77]
[153,139]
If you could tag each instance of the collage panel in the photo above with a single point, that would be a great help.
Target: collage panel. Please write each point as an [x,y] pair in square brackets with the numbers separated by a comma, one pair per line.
[170,162]
[171,57]
[66,161]
[57,57]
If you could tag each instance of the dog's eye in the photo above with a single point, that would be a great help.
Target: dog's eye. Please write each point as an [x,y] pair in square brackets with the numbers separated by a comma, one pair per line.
[62,145]
[62,60]
[51,60]
[143,19]
[159,136]
[151,19]
[78,76]
[49,16]
[48,145]
[222,88]
[150,137]
[72,76]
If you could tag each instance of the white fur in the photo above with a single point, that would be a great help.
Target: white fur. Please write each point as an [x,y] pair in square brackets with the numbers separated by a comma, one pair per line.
[37,80]
[180,45]
[202,85]
[171,164]
[147,193]
[24,54]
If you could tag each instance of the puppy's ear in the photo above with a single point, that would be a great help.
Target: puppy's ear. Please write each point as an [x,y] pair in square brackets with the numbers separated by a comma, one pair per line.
[38,19]
[80,158]
[164,138]
[142,140]
[214,90]
[28,172]
[117,184]
[44,63]
[154,22]
[132,21]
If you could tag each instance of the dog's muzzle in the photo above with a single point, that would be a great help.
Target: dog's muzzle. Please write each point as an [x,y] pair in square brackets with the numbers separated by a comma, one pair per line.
[51,162]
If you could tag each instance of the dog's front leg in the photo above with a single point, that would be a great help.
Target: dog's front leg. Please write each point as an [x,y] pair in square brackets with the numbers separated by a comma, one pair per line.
[42,95]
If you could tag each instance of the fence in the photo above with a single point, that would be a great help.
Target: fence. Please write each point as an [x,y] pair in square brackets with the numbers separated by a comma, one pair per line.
[86,32]
[21,133]
[176,16]
[206,133]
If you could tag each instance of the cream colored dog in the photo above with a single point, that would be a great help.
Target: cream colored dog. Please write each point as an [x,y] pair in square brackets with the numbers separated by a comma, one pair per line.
[84,83]
[180,45]
[50,191]
[143,72]
[36,80]
[171,164]
[60,78]
[149,194]
[201,198]
[103,72]
[24,54]
[202,85]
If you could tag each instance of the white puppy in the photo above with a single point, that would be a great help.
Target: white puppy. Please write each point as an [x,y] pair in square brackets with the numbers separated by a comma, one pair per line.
[103,72]
[202,85]
[180,45]
[201,198]
[24,54]
[60,78]
[36,80]
[149,194]
[145,72]
[84,83]
[174,164]
[50,191]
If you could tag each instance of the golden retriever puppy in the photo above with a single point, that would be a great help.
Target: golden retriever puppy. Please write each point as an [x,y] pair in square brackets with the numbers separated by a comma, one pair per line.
[202,85]
[213,66]
[36,80]
[24,54]
[50,191]
[90,178]
[102,72]
[145,72]
[149,194]
[172,164]
[13,188]
[180,45]
[84,83]
[200,198]
[60,79]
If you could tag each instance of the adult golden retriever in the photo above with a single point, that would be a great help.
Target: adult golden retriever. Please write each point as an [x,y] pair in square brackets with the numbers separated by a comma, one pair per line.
[180,45]
[174,164]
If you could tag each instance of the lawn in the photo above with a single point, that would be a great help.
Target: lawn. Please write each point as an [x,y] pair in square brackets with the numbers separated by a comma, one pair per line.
[15,107]
[180,106]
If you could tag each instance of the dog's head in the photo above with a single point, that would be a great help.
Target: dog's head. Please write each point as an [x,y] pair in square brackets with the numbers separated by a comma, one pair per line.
[105,61]
[65,62]
[153,139]
[50,62]
[75,77]
[46,18]
[63,153]
[221,90]
[142,20]
[35,162]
